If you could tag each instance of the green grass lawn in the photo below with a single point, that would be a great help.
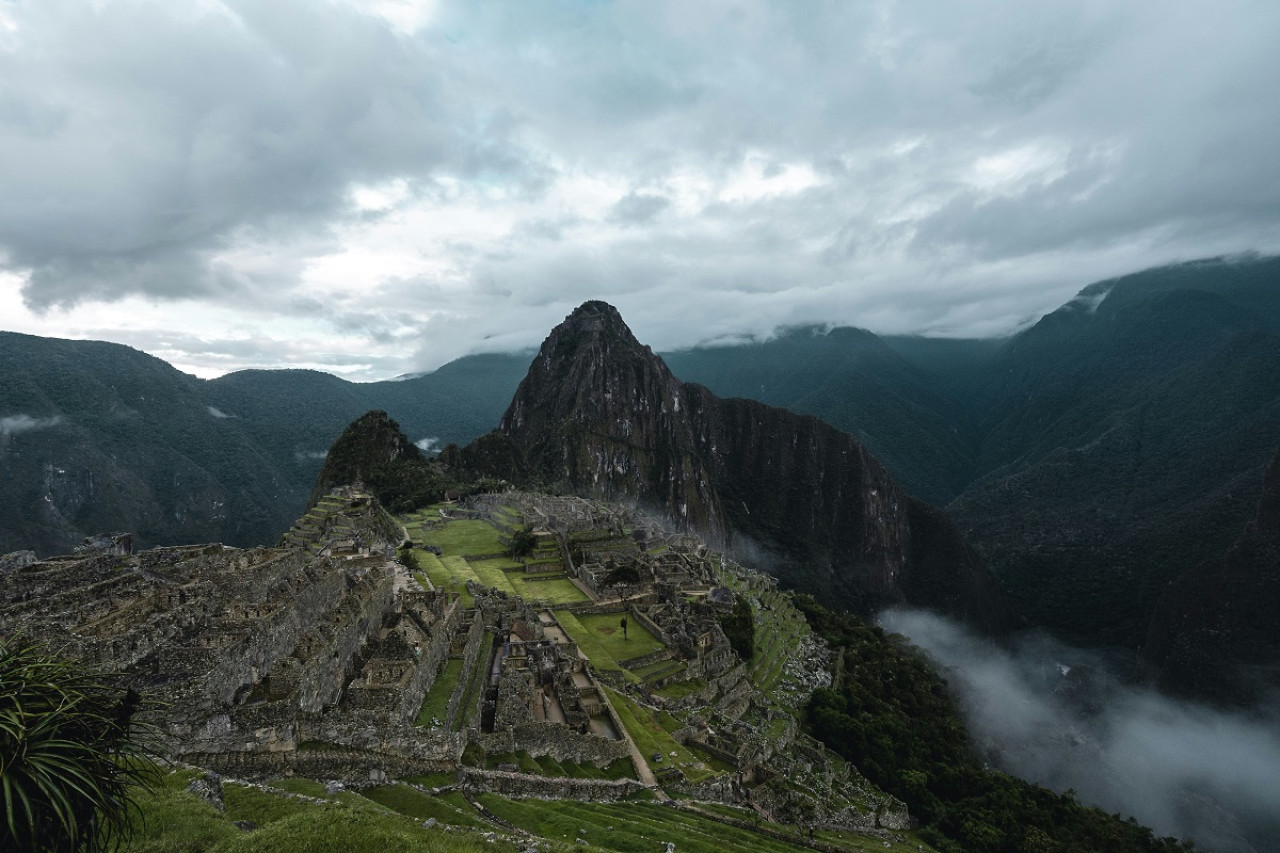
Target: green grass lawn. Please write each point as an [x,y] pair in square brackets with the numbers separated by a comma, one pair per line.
[680,689]
[553,591]
[608,632]
[416,804]
[449,578]
[490,573]
[466,538]
[646,827]
[650,735]
[173,820]
[589,644]
[436,703]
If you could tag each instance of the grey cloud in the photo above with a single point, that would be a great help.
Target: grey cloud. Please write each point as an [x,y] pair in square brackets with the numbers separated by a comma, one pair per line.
[166,133]
[220,132]
[19,423]
[636,208]
[218,413]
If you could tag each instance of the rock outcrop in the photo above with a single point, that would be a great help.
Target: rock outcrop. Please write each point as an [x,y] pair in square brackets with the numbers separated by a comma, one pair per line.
[1214,634]
[600,414]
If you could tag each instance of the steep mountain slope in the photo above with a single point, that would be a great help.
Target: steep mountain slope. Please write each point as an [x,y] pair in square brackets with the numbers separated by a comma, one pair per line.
[1215,634]
[853,380]
[1122,440]
[97,437]
[601,414]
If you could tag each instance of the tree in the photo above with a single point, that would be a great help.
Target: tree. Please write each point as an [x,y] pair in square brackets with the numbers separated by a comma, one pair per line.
[523,542]
[70,754]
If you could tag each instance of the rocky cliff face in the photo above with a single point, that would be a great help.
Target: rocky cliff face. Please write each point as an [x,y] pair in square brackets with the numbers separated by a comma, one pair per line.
[600,414]
[1215,634]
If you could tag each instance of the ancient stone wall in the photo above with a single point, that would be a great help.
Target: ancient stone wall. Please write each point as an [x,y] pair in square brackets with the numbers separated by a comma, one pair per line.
[547,788]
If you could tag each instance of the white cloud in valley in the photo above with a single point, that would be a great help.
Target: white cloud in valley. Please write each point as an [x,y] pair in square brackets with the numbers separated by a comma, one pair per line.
[372,188]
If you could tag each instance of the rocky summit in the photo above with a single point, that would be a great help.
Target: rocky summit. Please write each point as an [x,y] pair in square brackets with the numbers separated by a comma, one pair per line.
[600,414]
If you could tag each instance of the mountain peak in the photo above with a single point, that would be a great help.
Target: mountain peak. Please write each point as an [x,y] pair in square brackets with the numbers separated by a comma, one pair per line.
[372,442]
[600,414]
[595,315]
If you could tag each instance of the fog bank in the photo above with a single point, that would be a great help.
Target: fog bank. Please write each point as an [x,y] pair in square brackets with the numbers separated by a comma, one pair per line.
[1052,715]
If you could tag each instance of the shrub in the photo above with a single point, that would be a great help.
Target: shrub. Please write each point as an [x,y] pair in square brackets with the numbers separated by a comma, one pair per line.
[68,753]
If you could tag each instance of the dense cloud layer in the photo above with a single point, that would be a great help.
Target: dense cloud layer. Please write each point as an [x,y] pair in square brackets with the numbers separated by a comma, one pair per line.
[1052,715]
[374,187]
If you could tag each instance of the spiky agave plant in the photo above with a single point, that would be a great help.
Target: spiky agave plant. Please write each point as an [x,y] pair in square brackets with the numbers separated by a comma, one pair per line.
[70,755]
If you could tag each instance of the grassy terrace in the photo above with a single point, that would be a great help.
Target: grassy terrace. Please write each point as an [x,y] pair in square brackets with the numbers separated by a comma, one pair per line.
[651,731]
[450,808]
[452,578]
[775,637]
[389,818]
[173,820]
[557,589]
[599,637]
[641,826]
[475,683]
[466,537]
[436,703]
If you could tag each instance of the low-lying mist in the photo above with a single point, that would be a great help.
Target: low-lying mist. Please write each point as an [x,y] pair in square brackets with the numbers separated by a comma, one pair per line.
[1052,715]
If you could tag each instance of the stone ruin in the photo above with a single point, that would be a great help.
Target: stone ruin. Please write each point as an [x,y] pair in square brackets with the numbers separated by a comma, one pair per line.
[314,657]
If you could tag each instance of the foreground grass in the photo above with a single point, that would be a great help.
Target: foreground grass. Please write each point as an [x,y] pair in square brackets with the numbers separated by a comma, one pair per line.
[171,820]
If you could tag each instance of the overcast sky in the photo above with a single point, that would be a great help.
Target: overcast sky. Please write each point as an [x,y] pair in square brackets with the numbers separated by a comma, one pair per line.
[374,187]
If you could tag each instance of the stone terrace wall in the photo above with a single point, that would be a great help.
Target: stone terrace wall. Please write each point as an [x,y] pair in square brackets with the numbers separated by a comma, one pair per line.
[351,767]
[559,742]
[547,788]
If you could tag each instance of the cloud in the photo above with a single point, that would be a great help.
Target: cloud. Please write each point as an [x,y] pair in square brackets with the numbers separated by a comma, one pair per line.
[1055,716]
[638,208]
[15,424]
[427,445]
[218,413]
[382,186]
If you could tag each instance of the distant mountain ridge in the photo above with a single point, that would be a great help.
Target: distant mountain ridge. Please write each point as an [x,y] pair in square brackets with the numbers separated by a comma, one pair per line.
[98,437]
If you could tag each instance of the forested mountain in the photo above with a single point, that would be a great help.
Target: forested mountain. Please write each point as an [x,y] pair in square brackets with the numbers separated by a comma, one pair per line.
[97,436]
[1093,457]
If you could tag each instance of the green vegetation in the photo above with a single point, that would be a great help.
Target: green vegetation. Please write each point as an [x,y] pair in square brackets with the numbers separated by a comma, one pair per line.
[891,715]
[641,827]
[417,804]
[651,731]
[70,757]
[436,703]
[549,590]
[620,645]
[523,543]
[466,537]
[739,628]
[172,820]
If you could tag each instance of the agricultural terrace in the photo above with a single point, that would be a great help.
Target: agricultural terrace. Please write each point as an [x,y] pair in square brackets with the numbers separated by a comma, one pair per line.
[477,550]
[651,730]
[406,817]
